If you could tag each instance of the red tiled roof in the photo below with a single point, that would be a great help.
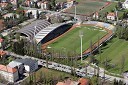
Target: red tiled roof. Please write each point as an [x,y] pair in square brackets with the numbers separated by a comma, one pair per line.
[111,14]
[2,52]
[7,69]
[1,40]
[83,81]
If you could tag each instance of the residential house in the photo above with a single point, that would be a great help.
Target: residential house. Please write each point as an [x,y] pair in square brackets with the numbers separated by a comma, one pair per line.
[3,54]
[96,15]
[27,3]
[70,3]
[29,64]
[111,16]
[33,11]
[8,73]
[18,65]
[44,5]
[81,81]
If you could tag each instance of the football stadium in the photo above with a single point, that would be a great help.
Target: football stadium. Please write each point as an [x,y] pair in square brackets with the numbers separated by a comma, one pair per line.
[92,31]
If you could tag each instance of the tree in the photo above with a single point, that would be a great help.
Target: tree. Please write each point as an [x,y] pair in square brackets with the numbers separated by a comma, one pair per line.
[36,6]
[56,19]
[2,79]
[53,4]
[37,14]
[120,82]
[119,4]
[94,80]
[115,82]
[91,53]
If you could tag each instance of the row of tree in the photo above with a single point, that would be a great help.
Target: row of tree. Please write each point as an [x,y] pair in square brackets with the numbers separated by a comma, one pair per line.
[122,32]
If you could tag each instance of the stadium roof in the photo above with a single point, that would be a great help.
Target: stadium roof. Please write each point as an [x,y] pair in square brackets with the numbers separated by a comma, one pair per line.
[30,30]
[44,32]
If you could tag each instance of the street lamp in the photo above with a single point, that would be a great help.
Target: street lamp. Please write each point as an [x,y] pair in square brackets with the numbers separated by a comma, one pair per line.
[81,35]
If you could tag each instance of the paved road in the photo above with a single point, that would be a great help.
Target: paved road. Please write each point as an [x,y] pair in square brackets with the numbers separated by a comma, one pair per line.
[65,68]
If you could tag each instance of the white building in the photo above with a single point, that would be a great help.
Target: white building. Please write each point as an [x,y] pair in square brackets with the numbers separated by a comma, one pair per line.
[125,4]
[29,64]
[96,15]
[34,12]
[8,73]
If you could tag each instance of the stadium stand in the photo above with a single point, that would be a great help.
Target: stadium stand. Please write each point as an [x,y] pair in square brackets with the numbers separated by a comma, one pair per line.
[52,31]
[101,24]
[30,30]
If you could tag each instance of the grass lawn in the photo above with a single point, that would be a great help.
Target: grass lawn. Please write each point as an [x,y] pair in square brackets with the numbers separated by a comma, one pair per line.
[49,74]
[71,40]
[114,51]
[87,7]
[55,73]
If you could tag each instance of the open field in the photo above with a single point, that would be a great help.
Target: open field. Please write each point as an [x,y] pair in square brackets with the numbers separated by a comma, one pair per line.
[71,40]
[87,7]
[113,51]
[44,76]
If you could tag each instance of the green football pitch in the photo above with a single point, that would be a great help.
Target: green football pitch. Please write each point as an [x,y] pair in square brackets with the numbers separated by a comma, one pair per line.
[70,41]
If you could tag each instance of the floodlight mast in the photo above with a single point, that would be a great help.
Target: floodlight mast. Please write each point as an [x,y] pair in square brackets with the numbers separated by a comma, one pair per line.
[116,12]
[81,35]
[34,33]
